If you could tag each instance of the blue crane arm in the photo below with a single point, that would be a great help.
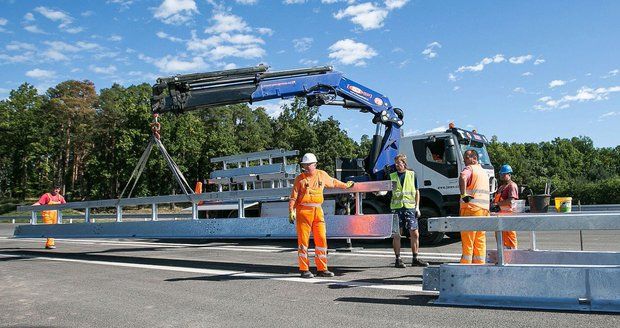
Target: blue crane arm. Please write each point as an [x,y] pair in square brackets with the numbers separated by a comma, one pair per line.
[319,85]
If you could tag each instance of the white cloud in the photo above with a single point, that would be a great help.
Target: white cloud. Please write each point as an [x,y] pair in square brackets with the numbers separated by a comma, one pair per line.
[452,77]
[367,15]
[395,4]
[87,13]
[164,35]
[480,65]
[55,55]
[584,94]
[264,31]
[40,74]
[308,62]
[273,108]
[58,50]
[456,88]
[34,29]
[17,46]
[611,73]
[246,2]
[115,38]
[349,52]
[3,21]
[302,44]
[59,16]
[539,61]
[174,64]
[176,11]
[527,74]
[293,2]
[438,129]
[103,70]
[29,17]
[520,59]
[431,50]
[20,58]
[607,115]
[518,90]
[556,83]
[223,23]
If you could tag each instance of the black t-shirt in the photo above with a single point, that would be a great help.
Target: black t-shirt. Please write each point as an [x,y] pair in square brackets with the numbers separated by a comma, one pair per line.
[401,176]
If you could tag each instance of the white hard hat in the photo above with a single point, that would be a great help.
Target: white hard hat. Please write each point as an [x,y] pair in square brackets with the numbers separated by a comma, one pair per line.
[308,158]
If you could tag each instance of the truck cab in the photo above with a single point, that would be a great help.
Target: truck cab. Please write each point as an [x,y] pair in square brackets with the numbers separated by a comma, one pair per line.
[437,159]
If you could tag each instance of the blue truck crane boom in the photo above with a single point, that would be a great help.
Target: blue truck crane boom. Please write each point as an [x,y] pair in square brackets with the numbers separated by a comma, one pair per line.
[318,85]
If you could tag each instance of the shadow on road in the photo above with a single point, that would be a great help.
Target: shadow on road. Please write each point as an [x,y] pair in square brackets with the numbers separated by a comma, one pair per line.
[418,300]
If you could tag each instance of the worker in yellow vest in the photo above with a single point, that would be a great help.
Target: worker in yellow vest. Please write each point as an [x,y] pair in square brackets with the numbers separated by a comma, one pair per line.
[475,201]
[50,217]
[406,204]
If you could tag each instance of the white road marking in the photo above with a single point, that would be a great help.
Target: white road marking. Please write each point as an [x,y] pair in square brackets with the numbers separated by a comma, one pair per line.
[244,248]
[214,272]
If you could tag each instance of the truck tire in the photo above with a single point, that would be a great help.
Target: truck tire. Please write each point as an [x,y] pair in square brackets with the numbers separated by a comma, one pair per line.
[426,237]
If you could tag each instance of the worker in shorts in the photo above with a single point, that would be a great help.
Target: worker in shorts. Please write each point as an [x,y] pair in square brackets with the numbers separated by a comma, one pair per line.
[406,204]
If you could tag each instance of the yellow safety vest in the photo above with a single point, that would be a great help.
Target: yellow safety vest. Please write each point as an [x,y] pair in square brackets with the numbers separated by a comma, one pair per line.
[403,196]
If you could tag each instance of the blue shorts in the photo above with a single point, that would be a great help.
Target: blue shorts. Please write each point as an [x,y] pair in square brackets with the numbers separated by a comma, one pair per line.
[406,218]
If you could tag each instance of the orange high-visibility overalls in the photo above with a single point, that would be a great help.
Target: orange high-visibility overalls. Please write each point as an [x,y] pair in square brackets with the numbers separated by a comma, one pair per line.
[474,242]
[509,237]
[306,200]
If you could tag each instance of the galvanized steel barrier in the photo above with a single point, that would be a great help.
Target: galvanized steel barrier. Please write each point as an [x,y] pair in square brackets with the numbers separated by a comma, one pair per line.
[356,225]
[562,280]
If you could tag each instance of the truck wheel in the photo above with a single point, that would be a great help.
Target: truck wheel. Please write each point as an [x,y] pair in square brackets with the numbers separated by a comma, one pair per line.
[426,237]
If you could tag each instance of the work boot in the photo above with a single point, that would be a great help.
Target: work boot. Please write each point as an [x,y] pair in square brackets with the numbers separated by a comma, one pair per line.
[307,274]
[416,262]
[50,247]
[326,274]
[399,263]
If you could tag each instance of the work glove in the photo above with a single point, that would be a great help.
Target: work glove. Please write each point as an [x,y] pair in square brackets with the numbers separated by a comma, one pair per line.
[466,198]
[350,184]
[292,216]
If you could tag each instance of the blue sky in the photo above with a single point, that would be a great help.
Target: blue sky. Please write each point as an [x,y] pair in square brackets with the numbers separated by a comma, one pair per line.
[523,70]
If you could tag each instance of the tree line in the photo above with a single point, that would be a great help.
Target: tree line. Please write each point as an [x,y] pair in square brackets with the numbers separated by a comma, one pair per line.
[89,143]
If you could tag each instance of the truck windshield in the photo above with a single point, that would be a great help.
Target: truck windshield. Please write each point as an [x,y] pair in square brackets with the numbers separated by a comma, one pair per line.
[483,156]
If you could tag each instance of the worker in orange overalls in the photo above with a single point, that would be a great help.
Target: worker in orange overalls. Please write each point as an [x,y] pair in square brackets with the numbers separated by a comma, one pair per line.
[504,196]
[305,208]
[475,201]
[50,217]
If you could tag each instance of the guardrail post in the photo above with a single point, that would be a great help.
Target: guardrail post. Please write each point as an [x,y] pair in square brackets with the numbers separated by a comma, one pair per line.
[59,221]
[87,215]
[358,204]
[33,218]
[119,213]
[154,212]
[194,211]
[533,240]
[500,248]
[241,208]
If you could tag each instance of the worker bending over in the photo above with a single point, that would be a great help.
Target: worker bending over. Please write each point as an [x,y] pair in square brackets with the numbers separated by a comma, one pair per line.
[50,217]
[305,208]
[475,201]
[505,195]
[406,204]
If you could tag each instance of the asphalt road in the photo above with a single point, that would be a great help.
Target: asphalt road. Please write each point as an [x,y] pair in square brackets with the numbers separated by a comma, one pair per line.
[197,283]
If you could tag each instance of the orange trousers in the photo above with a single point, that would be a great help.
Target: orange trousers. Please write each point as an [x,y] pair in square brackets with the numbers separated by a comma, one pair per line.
[510,239]
[50,217]
[310,219]
[474,242]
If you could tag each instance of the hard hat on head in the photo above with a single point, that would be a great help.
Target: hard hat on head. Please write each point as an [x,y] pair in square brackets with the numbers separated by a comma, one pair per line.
[505,169]
[308,158]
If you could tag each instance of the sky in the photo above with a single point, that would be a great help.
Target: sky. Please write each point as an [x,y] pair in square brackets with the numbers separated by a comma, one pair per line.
[524,71]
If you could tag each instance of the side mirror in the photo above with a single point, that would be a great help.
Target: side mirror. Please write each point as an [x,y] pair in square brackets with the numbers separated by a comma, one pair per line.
[450,142]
